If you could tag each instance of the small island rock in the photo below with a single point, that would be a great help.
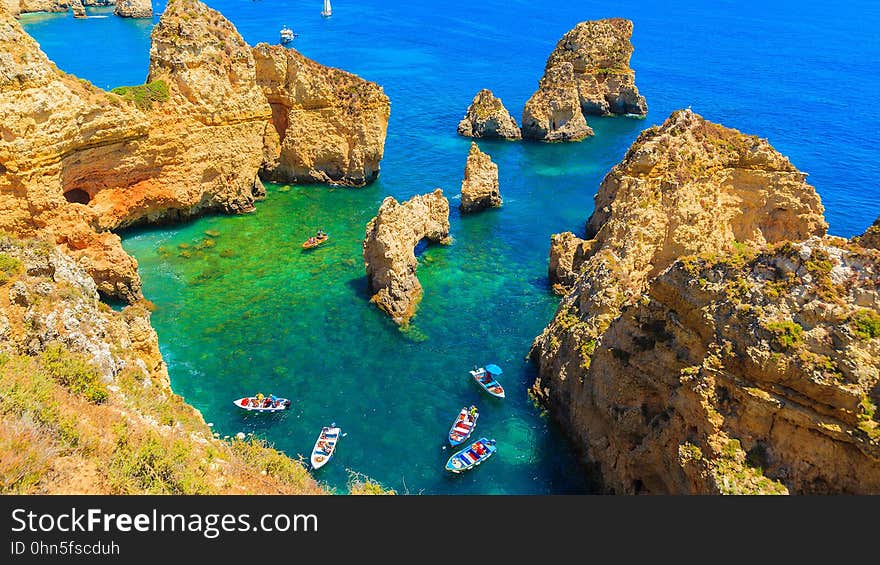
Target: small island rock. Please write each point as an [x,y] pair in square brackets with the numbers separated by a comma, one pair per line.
[553,113]
[487,117]
[479,188]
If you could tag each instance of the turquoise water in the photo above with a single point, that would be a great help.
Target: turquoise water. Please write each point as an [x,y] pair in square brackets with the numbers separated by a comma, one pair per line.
[253,312]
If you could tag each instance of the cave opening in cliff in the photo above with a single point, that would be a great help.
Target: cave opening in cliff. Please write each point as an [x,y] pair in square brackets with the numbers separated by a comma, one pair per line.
[77,196]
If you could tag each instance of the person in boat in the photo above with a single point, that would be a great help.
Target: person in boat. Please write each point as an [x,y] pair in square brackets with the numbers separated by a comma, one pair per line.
[320,234]
[473,411]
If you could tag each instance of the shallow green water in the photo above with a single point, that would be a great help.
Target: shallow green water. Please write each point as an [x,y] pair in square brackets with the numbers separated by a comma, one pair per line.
[251,311]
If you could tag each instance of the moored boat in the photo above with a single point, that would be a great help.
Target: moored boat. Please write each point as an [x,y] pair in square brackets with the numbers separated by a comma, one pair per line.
[464,425]
[315,240]
[485,377]
[287,35]
[472,455]
[325,447]
[260,403]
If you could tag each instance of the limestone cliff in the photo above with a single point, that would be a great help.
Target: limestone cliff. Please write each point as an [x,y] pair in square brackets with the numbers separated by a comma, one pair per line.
[553,113]
[27,6]
[479,188]
[329,125]
[79,161]
[697,350]
[871,237]
[134,8]
[600,52]
[389,250]
[488,118]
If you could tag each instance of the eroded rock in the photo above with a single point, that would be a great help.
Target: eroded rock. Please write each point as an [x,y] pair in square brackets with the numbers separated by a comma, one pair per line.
[479,188]
[487,117]
[389,250]
[329,125]
[553,113]
[134,8]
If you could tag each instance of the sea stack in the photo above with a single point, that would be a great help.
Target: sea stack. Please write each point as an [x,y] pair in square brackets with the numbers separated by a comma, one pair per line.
[134,8]
[328,125]
[479,188]
[389,250]
[487,117]
[600,53]
[553,113]
[712,339]
[77,8]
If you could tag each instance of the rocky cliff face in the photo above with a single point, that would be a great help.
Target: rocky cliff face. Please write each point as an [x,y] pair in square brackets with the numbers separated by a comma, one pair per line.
[80,161]
[389,250]
[600,53]
[871,238]
[27,6]
[329,125]
[553,113]
[134,8]
[488,118]
[696,349]
[479,188]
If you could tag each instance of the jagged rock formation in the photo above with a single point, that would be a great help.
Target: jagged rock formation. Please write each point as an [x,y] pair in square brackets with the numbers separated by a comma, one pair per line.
[871,238]
[78,9]
[389,250]
[567,254]
[134,8]
[553,113]
[697,350]
[188,142]
[600,52]
[329,125]
[479,188]
[487,117]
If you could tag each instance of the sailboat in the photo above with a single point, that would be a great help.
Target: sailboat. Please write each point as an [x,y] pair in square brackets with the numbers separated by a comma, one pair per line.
[327,11]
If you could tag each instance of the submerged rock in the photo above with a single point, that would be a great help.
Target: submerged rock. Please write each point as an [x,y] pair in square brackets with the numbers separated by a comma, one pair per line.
[389,250]
[600,53]
[479,188]
[553,113]
[711,340]
[134,8]
[487,117]
[329,125]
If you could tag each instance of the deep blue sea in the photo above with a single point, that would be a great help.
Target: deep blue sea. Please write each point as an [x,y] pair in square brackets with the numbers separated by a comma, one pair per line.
[252,312]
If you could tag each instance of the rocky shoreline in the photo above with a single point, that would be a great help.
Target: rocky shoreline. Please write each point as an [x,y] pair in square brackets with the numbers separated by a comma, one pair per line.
[711,337]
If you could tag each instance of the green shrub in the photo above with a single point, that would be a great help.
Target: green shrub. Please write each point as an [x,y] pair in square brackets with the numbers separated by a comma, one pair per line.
[866,324]
[74,373]
[150,464]
[9,267]
[144,95]
[786,334]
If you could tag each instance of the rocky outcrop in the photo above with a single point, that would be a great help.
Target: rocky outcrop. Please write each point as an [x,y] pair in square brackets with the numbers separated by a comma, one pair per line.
[77,8]
[699,350]
[553,113]
[79,161]
[871,238]
[479,188]
[600,53]
[487,117]
[567,255]
[389,250]
[28,6]
[134,9]
[329,125]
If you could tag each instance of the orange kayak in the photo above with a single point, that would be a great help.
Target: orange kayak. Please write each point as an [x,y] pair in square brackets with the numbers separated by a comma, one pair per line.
[309,244]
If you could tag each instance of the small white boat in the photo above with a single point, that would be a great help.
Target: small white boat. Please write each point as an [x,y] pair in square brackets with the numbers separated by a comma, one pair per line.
[287,35]
[262,403]
[485,377]
[325,447]
[327,11]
